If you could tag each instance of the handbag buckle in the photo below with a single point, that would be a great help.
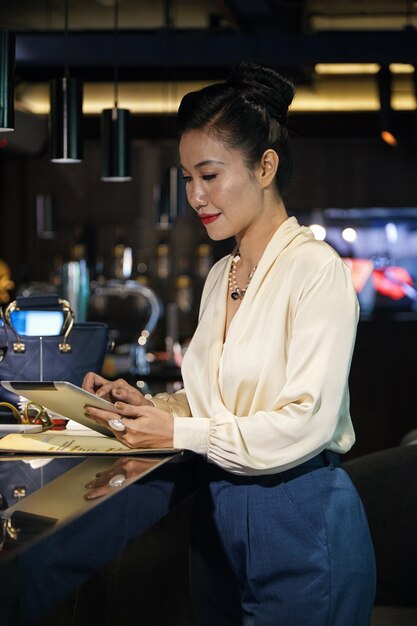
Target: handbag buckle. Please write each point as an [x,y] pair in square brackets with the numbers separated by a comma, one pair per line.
[18,346]
[64,347]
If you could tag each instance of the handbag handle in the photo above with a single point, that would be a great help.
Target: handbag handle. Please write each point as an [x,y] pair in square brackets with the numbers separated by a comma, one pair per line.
[39,304]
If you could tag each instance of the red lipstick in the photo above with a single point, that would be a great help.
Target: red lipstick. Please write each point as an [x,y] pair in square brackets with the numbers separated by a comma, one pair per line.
[208,219]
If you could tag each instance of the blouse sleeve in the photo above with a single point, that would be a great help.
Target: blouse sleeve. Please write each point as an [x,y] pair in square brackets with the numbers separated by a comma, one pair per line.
[312,406]
[174,403]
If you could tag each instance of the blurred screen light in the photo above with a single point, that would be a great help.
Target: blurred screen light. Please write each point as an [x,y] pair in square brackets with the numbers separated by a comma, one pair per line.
[349,234]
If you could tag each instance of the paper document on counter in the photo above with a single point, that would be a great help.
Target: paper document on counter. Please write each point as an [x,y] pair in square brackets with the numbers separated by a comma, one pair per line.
[53,443]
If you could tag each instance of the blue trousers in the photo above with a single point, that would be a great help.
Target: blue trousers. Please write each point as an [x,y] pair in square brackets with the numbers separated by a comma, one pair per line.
[287,549]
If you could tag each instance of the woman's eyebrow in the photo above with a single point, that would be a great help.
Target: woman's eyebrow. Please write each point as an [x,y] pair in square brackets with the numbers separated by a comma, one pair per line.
[205,162]
[209,162]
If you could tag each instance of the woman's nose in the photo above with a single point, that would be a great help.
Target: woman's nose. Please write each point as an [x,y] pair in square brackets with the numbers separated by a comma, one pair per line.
[197,197]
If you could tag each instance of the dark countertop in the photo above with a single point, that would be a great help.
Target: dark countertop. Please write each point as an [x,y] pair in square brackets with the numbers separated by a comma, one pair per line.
[62,532]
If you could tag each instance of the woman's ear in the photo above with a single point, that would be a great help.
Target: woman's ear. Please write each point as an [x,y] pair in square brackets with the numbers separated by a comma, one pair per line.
[268,167]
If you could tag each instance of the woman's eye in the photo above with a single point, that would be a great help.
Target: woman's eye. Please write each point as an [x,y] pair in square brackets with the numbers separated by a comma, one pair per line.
[186,179]
[209,176]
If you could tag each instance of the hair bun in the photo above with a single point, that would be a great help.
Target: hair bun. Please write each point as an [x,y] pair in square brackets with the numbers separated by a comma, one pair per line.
[264,83]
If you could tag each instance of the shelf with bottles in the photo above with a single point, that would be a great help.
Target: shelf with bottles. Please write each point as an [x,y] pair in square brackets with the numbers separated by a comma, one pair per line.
[176,277]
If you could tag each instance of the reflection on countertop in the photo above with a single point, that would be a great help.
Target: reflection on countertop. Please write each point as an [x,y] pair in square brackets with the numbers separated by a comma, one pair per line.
[42,495]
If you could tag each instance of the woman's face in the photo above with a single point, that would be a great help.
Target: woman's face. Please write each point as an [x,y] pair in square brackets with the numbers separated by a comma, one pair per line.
[222,190]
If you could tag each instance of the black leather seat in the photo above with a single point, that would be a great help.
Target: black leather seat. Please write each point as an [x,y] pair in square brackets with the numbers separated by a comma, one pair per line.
[387,483]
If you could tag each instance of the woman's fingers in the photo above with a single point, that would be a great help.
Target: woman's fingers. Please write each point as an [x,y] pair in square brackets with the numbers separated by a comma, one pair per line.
[128,410]
[144,427]
[106,391]
[92,382]
[130,395]
[113,389]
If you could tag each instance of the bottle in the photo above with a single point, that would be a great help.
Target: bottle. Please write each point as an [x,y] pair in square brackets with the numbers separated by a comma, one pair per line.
[142,272]
[55,277]
[78,250]
[122,257]
[163,261]
[204,260]
[75,285]
[184,290]
[99,270]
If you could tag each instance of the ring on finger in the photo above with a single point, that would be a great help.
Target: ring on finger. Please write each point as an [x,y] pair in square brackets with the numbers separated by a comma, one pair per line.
[117,424]
[117,480]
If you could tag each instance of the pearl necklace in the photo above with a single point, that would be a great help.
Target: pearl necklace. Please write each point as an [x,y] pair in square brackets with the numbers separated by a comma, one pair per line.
[236,293]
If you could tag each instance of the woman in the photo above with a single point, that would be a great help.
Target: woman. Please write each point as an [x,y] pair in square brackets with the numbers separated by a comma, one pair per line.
[279,533]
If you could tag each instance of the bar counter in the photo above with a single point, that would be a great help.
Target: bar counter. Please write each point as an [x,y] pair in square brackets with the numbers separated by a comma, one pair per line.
[78,549]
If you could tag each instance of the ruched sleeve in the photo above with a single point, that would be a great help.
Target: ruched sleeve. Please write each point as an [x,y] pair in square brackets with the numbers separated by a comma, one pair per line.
[174,403]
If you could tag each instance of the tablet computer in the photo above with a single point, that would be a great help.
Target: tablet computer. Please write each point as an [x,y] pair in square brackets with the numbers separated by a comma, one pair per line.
[64,398]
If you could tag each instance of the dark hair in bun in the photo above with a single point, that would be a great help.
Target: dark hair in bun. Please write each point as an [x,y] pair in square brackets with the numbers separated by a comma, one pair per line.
[248,112]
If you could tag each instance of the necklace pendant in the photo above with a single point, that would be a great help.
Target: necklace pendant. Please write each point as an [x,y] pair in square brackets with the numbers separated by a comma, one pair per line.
[237,293]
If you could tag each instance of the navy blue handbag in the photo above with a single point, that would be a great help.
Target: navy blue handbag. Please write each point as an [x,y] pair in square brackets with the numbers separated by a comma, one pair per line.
[68,355]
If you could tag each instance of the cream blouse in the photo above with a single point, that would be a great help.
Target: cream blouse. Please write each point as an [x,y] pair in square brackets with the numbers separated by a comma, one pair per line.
[275,393]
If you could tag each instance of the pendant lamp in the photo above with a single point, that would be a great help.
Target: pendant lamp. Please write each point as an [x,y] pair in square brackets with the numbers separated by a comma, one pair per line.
[65,120]
[115,145]
[65,113]
[384,82]
[115,135]
[7,63]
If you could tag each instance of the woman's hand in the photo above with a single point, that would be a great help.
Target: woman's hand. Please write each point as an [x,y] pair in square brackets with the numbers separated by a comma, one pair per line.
[113,390]
[145,426]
